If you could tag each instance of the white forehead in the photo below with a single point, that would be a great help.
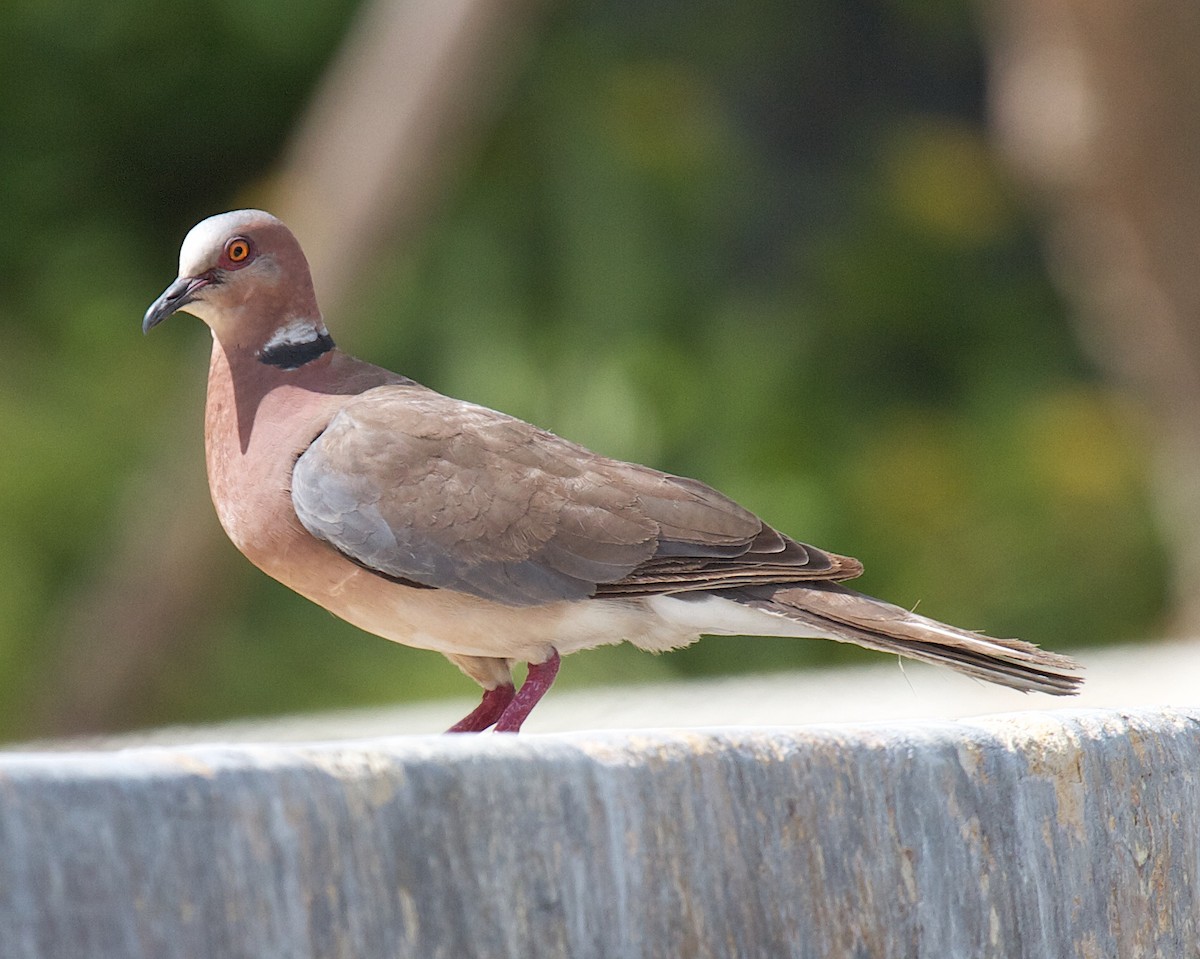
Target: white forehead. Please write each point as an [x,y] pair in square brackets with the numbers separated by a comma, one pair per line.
[206,239]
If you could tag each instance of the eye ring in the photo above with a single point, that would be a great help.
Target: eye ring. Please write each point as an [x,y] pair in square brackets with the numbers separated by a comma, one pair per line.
[238,250]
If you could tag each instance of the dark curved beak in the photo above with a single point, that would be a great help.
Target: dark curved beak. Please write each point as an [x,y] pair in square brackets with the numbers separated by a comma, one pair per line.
[175,297]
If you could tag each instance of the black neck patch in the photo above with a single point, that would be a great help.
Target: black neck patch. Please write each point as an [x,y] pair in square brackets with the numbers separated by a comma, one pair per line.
[291,356]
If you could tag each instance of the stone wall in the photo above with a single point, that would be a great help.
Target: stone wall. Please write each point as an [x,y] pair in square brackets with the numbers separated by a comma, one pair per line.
[1070,833]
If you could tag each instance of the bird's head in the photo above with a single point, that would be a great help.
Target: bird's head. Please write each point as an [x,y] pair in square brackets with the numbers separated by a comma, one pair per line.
[244,274]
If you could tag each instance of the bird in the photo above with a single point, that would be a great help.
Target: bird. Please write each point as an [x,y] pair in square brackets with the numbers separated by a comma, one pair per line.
[447,526]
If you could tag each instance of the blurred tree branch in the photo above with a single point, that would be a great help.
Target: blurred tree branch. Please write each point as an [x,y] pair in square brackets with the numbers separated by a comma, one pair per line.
[1096,103]
[398,112]
[412,89]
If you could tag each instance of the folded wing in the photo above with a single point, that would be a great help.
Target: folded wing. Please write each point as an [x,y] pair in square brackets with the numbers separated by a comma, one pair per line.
[428,489]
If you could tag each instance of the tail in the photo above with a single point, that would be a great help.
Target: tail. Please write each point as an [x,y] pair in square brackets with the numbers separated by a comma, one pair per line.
[838,613]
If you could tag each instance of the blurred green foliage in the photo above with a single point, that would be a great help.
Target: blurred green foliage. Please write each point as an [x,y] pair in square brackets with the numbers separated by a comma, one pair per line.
[764,244]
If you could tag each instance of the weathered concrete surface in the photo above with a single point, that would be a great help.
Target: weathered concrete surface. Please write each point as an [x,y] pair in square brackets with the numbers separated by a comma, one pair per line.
[1152,674]
[1074,833]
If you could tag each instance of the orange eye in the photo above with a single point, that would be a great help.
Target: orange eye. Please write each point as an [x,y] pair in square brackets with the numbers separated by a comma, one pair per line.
[237,249]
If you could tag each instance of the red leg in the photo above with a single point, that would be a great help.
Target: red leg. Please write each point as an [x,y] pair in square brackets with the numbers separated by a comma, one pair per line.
[495,701]
[540,678]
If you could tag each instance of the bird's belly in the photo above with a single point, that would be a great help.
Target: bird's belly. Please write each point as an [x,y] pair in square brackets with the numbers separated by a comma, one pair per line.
[458,624]
[462,625]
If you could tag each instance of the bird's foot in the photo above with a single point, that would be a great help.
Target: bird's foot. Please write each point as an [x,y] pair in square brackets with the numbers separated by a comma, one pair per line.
[495,701]
[539,679]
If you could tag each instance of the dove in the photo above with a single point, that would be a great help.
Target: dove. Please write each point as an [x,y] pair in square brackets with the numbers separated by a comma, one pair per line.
[447,526]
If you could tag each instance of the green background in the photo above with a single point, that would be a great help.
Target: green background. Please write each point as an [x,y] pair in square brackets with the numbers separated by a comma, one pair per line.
[765,244]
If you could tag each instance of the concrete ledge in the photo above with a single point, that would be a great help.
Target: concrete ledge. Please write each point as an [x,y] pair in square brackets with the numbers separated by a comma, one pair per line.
[1073,833]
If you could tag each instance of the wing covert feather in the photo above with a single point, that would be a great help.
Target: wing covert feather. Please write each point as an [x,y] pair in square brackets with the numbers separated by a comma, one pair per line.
[425,488]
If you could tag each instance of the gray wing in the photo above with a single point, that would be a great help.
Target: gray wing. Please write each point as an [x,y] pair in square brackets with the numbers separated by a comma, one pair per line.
[446,494]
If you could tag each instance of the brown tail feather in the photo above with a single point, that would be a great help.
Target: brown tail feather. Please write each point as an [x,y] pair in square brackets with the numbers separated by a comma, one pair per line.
[847,616]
